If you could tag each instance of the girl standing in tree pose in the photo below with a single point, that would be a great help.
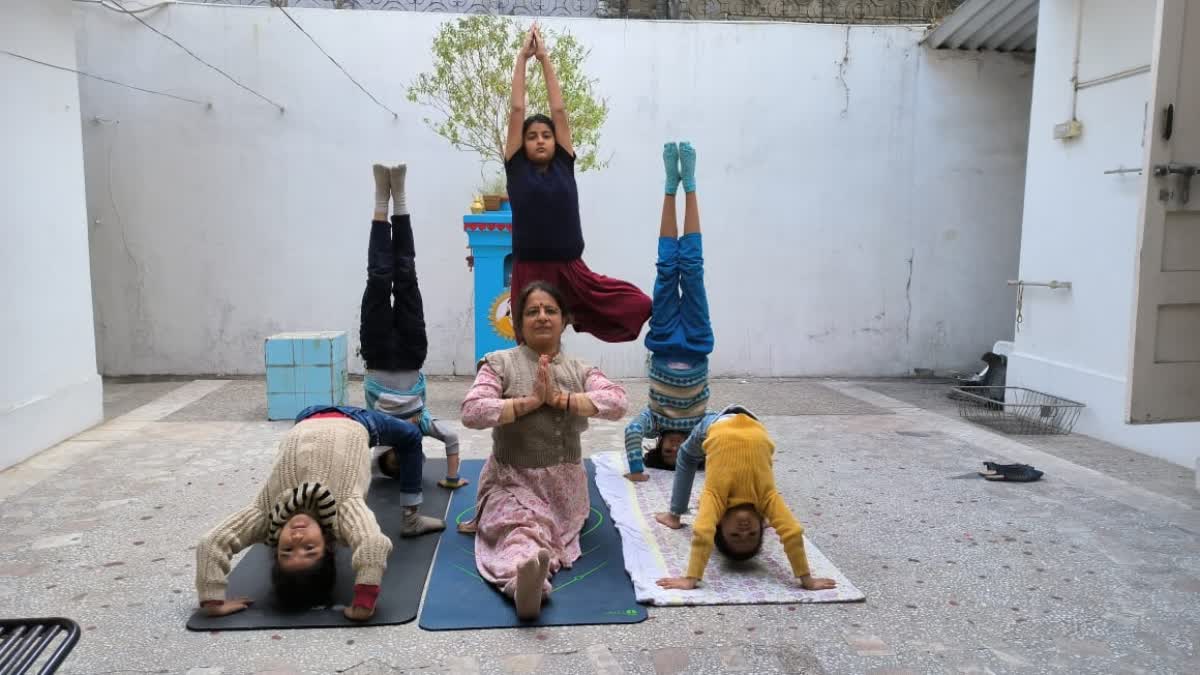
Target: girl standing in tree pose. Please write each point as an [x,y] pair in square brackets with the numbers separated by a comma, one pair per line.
[547,236]
[392,330]
[681,336]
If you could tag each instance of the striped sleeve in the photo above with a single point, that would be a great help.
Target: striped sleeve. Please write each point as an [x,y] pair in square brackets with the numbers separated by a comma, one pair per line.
[637,430]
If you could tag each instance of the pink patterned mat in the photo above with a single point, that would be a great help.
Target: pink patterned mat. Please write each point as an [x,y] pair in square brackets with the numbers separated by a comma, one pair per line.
[652,551]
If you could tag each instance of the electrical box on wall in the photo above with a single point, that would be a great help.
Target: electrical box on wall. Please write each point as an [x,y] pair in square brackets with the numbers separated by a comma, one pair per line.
[1068,130]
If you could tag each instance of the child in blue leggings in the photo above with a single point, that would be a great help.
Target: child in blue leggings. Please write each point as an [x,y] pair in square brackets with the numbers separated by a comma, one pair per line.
[680,337]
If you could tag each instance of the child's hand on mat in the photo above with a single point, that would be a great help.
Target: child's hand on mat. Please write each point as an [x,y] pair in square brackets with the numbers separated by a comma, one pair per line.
[811,583]
[679,583]
[226,607]
[669,519]
[639,477]
[457,483]
[359,613]
[468,527]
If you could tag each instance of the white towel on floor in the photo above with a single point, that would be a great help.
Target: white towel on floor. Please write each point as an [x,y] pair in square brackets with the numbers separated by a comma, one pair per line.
[653,551]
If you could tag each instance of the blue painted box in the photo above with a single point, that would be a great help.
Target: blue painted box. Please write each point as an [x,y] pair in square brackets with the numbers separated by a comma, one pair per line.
[303,369]
[490,237]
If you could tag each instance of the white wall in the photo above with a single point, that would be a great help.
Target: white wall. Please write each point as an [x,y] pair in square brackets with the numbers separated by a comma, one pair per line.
[861,196]
[49,389]
[1081,225]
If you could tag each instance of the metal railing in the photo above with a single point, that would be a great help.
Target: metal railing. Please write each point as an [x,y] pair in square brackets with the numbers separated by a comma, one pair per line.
[810,11]
[26,643]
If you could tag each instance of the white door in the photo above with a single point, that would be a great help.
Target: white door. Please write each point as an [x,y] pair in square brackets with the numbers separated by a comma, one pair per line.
[1164,371]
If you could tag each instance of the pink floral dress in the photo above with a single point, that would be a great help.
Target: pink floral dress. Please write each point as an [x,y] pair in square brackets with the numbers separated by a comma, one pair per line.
[521,510]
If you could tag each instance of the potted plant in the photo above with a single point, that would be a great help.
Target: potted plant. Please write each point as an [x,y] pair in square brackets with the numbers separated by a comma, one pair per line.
[469,87]
[495,192]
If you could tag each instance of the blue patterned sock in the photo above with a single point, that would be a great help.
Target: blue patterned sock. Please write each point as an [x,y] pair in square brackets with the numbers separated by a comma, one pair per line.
[687,166]
[671,162]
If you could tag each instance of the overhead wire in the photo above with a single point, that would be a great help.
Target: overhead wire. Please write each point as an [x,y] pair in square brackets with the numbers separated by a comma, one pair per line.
[335,61]
[105,79]
[189,52]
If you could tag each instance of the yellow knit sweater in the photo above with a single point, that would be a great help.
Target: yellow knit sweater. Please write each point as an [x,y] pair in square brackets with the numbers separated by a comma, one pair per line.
[738,455]
[333,452]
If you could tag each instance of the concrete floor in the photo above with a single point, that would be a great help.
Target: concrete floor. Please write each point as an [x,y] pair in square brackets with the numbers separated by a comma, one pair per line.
[1093,570]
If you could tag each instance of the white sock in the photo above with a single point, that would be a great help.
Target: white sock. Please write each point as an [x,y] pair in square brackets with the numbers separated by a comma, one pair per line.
[399,204]
[383,188]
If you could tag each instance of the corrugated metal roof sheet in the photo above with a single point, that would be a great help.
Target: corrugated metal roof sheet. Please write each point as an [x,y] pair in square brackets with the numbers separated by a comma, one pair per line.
[996,25]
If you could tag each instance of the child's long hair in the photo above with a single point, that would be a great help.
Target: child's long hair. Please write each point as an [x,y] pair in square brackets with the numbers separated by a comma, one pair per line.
[307,588]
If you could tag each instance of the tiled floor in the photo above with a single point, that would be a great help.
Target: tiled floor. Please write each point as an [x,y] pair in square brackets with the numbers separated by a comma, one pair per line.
[1093,570]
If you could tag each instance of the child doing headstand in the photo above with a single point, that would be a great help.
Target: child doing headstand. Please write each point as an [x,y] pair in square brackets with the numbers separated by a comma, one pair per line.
[392,330]
[680,337]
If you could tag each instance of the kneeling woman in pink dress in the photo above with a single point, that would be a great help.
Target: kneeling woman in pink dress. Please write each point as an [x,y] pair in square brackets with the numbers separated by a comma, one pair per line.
[533,492]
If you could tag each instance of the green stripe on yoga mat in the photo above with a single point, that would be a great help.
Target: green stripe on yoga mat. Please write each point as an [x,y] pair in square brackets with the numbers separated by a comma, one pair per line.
[595,591]
[399,594]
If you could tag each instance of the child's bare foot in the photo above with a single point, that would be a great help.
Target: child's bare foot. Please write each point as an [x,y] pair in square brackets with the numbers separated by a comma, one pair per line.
[669,519]
[528,595]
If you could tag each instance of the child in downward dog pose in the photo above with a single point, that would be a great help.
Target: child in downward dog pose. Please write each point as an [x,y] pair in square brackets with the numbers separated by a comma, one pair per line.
[392,331]
[738,499]
[546,233]
[681,336]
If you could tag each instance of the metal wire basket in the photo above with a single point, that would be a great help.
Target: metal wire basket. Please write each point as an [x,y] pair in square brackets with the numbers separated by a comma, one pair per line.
[1016,410]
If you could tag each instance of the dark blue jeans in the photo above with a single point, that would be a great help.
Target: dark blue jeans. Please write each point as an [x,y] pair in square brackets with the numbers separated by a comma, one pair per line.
[384,430]
[679,323]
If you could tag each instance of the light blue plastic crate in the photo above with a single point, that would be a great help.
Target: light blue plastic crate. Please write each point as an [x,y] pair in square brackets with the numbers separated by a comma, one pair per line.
[303,369]
[278,351]
[281,380]
[282,406]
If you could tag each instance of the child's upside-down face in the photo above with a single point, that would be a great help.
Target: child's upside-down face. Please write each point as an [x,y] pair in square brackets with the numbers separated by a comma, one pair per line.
[301,544]
[742,530]
[671,440]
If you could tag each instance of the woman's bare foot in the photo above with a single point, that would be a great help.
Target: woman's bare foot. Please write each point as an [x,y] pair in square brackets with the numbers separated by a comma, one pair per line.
[528,594]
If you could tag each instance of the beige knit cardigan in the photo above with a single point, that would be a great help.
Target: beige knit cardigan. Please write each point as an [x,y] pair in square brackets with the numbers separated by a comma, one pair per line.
[332,452]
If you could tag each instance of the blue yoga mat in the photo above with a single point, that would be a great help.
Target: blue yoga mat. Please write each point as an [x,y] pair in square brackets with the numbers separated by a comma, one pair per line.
[596,590]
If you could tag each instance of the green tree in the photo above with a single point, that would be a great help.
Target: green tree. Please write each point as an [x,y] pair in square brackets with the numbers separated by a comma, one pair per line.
[473,61]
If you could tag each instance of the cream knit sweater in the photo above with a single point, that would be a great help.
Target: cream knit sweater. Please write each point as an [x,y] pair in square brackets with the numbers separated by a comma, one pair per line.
[333,452]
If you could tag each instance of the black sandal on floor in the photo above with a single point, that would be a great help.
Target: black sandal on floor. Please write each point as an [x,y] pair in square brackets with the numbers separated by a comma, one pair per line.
[1013,473]
[992,468]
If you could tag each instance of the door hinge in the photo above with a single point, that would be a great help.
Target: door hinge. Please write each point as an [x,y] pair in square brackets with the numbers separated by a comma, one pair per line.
[1185,173]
